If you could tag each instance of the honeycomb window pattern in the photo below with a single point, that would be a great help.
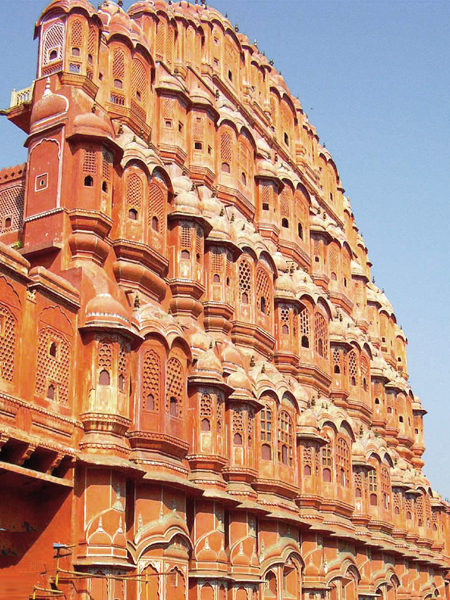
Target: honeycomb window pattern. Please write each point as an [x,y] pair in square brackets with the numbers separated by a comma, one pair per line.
[321,335]
[53,370]
[90,161]
[135,189]
[151,381]
[263,291]
[175,388]
[245,287]
[53,43]
[11,207]
[7,343]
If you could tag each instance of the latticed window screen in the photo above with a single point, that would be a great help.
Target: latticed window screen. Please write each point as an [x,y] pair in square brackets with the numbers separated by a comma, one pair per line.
[385,481]
[266,191]
[266,425]
[305,327]
[135,189]
[220,413]
[238,421]
[286,118]
[321,335]
[124,353]
[273,109]
[175,387]
[199,236]
[53,43]
[151,381]
[160,39]
[105,355]
[353,367]
[365,375]
[170,40]
[285,439]
[90,161]
[226,148]
[358,483]
[337,357]
[118,64]
[333,261]
[245,282]
[168,108]
[327,457]
[92,41]
[307,459]
[53,370]
[7,343]
[217,256]
[373,482]
[107,161]
[187,232]
[198,128]
[263,292]
[139,82]
[419,510]
[245,161]
[76,34]
[397,503]
[156,201]
[343,461]
[285,319]
[11,207]
[250,425]
[206,406]
[231,61]
[285,202]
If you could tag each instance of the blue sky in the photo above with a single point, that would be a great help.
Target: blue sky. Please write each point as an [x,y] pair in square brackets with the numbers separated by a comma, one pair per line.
[373,77]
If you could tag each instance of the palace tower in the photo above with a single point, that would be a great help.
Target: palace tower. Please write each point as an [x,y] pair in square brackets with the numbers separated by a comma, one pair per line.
[203,396]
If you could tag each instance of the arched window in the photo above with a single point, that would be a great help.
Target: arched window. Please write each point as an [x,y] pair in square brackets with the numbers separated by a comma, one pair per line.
[156,210]
[365,374]
[134,195]
[321,335]
[245,282]
[206,412]
[53,371]
[327,462]
[304,328]
[286,200]
[226,152]
[76,38]
[7,343]
[353,368]
[53,43]
[139,86]
[118,68]
[266,433]
[285,439]
[386,487]
[343,462]
[151,380]
[263,292]
[175,388]
[373,487]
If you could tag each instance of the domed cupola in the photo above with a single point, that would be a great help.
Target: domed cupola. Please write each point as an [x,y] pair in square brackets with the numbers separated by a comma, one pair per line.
[50,110]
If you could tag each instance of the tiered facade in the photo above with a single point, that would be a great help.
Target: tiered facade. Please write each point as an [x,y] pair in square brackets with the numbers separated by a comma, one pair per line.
[203,396]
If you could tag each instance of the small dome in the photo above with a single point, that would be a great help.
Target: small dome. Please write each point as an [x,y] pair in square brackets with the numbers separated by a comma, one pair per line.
[187,202]
[308,419]
[91,124]
[103,308]
[239,381]
[232,356]
[208,362]
[50,105]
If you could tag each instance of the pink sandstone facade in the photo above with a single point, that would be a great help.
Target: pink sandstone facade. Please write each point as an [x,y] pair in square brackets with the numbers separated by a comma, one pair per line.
[203,396]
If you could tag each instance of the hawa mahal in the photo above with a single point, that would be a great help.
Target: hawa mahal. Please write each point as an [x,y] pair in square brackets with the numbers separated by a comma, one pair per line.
[203,395]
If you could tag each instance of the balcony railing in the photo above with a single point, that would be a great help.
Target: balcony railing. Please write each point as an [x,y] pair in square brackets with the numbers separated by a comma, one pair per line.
[24,96]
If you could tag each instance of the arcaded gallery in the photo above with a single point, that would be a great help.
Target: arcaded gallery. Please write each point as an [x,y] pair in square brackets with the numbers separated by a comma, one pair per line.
[203,395]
